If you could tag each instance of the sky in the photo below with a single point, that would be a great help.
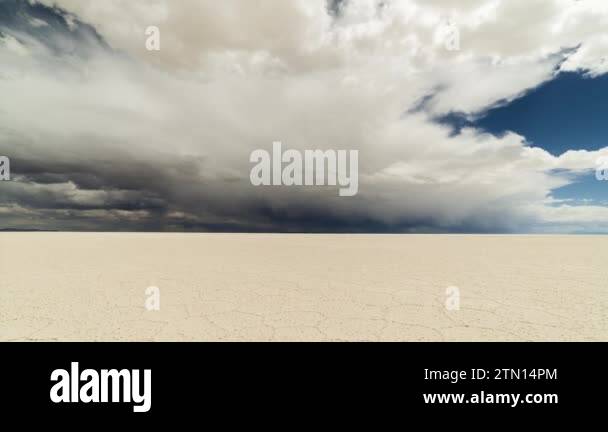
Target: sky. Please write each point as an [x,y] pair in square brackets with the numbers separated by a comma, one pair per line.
[565,113]
[499,133]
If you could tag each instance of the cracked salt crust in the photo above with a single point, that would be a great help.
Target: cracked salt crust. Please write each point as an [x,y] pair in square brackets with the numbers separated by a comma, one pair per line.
[232,287]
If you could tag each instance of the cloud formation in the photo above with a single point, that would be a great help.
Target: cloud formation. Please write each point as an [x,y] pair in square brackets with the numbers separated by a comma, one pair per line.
[103,134]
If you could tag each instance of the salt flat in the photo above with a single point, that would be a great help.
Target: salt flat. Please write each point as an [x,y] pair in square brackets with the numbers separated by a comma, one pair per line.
[225,287]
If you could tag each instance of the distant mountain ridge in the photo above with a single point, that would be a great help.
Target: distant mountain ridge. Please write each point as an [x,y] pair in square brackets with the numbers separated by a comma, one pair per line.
[25,230]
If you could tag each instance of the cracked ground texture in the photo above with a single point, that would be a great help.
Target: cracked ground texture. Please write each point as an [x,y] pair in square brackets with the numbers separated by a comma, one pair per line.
[241,287]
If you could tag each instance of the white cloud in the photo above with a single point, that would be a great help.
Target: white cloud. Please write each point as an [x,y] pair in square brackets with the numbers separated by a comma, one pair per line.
[233,76]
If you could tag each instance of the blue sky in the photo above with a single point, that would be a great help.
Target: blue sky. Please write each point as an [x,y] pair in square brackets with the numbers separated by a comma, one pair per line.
[565,113]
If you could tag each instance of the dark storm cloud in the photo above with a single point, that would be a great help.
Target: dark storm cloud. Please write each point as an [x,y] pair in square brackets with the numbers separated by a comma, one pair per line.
[160,141]
[52,27]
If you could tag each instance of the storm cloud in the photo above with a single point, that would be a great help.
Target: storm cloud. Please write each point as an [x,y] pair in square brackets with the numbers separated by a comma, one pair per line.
[105,135]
